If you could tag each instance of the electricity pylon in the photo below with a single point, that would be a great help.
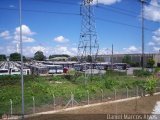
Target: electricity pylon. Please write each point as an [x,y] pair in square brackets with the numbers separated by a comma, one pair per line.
[88,44]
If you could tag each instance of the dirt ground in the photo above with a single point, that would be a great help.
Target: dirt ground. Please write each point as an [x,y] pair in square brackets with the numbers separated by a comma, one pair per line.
[144,105]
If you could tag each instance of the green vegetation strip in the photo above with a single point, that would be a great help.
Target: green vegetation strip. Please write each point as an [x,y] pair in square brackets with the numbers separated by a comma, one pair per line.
[43,88]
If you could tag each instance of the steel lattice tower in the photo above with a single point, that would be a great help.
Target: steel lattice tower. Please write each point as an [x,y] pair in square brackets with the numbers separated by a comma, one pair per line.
[88,45]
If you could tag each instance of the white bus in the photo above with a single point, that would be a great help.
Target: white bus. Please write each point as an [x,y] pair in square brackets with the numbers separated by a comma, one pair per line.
[15,71]
[55,69]
[4,72]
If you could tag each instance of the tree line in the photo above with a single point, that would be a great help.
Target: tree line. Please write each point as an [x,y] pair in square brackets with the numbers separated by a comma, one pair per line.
[39,56]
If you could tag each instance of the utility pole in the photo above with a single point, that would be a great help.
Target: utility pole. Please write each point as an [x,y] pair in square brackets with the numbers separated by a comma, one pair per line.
[142,12]
[21,47]
[112,57]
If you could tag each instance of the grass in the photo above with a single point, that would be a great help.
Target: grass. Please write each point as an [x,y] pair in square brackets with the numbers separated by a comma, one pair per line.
[43,88]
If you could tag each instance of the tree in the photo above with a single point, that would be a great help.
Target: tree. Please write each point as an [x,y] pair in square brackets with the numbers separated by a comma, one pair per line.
[3,57]
[74,58]
[59,55]
[39,56]
[150,63]
[89,59]
[16,57]
[100,59]
[126,59]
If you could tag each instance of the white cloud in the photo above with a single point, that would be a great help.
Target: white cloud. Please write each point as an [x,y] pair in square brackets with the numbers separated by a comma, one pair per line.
[132,49]
[106,2]
[152,12]
[26,33]
[156,49]
[11,6]
[151,43]
[25,30]
[61,39]
[157,32]
[48,50]
[155,38]
[25,39]
[7,49]
[5,35]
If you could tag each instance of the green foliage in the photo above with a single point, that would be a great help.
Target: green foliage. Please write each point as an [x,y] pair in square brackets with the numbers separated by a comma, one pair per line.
[42,88]
[100,59]
[89,58]
[74,58]
[150,85]
[15,79]
[135,64]
[3,57]
[115,73]
[157,69]
[80,79]
[16,57]
[71,72]
[60,55]
[141,73]
[150,62]
[126,59]
[39,56]
[110,83]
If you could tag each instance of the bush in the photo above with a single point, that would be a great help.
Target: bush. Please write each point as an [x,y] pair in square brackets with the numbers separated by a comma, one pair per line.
[150,85]
[134,64]
[80,79]
[68,77]
[157,70]
[58,78]
[110,84]
[115,73]
[141,73]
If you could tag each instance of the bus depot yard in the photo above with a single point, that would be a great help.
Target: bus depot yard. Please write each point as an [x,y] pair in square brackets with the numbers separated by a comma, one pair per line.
[45,93]
[44,68]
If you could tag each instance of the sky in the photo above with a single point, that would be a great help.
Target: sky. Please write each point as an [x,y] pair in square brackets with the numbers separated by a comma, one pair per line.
[54,26]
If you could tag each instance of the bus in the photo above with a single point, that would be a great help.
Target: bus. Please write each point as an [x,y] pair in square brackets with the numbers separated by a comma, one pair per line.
[121,66]
[55,69]
[4,72]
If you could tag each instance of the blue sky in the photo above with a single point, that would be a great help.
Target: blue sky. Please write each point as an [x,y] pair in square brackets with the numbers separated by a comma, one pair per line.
[55,33]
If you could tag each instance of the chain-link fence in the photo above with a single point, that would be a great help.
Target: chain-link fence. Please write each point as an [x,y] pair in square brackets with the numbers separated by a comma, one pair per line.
[53,102]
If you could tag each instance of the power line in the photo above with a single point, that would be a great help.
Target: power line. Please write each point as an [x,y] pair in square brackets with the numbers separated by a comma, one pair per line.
[124,24]
[111,8]
[57,2]
[118,8]
[117,11]
[148,3]
[76,14]
[40,11]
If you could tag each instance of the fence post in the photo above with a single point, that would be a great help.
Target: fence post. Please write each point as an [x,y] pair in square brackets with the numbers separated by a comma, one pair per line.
[127,91]
[115,97]
[137,92]
[53,101]
[33,104]
[72,98]
[115,94]
[87,97]
[11,109]
[102,93]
